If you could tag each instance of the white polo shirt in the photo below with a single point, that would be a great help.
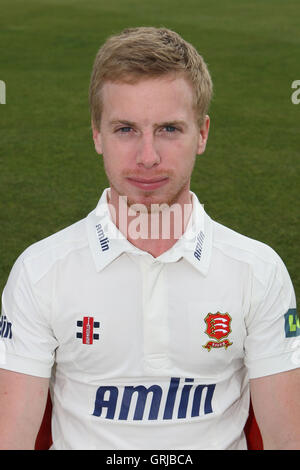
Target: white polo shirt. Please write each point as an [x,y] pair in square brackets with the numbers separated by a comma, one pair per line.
[144,352]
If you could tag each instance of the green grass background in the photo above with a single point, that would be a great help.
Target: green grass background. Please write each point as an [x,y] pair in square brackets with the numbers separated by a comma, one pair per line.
[50,175]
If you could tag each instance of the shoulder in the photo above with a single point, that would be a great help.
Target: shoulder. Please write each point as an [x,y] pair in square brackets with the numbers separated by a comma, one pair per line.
[41,256]
[238,245]
[262,259]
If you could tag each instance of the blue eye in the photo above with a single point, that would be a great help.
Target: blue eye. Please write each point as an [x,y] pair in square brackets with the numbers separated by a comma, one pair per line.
[124,130]
[170,128]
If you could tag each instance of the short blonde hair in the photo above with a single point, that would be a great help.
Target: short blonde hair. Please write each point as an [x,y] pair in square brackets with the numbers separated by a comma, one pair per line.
[146,52]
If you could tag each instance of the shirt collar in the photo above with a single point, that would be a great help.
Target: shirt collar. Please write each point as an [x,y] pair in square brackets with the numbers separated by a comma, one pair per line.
[107,242]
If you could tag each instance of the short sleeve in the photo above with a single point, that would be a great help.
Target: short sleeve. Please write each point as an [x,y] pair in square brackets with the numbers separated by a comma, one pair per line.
[27,343]
[271,344]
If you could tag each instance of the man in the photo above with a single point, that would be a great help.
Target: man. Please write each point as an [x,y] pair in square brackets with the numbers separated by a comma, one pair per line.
[151,321]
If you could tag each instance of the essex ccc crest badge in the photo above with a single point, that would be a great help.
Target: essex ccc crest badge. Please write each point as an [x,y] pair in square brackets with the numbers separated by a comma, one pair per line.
[218,328]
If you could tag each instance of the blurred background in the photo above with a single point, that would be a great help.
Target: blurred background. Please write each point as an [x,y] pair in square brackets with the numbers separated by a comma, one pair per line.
[50,175]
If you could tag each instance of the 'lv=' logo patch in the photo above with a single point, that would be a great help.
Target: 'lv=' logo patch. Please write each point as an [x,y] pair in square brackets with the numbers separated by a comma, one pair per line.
[291,323]
[87,326]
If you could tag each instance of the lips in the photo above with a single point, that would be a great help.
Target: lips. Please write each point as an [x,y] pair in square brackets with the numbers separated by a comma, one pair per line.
[148,183]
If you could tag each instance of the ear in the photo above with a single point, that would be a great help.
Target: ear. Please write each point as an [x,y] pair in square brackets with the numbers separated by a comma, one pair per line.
[97,139]
[204,129]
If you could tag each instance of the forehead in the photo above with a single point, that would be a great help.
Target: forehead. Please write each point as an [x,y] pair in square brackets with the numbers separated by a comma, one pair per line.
[153,98]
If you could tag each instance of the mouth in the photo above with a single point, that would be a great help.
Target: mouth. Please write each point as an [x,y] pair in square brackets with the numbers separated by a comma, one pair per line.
[148,184]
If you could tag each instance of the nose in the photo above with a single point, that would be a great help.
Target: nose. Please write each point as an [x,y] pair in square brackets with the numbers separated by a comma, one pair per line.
[147,154]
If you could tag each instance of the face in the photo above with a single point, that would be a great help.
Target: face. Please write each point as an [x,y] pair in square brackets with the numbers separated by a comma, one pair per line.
[149,139]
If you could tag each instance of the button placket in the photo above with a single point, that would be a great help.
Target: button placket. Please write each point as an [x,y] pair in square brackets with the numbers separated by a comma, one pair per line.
[155,314]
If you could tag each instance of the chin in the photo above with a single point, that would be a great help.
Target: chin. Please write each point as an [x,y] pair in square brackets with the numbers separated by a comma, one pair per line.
[151,201]
[149,198]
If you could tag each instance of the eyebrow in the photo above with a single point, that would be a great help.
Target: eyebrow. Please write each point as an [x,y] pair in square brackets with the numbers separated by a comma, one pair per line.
[159,124]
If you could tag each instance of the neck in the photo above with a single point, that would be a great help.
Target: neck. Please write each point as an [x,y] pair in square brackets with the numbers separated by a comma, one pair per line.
[153,231]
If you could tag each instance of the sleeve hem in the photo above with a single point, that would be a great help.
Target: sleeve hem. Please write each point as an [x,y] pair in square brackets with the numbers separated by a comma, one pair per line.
[25,365]
[272,365]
